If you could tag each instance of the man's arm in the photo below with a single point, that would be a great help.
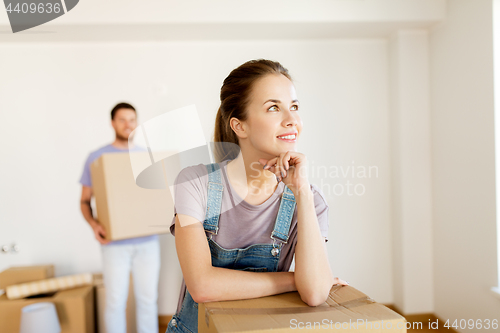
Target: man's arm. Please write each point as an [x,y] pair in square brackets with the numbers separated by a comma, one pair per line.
[86,209]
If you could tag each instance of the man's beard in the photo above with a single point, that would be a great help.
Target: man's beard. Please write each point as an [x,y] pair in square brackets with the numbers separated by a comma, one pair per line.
[124,138]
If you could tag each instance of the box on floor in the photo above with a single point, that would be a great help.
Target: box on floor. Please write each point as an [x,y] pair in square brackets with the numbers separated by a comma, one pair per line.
[75,310]
[123,208]
[346,309]
[23,274]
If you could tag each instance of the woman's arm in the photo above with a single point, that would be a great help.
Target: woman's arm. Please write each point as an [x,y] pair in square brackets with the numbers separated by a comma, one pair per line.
[313,276]
[207,283]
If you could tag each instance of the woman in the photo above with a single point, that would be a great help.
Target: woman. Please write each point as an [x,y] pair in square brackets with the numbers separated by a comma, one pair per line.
[232,248]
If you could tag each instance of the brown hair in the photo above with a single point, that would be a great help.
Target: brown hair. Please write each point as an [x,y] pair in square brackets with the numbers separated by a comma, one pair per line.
[234,98]
[119,106]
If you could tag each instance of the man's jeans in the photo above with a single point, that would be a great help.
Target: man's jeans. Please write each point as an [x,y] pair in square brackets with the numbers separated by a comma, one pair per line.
[144,261]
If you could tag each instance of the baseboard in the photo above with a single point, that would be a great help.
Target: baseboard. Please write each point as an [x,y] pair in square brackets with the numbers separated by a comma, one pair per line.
[392,307]
[163,320]
[424,318]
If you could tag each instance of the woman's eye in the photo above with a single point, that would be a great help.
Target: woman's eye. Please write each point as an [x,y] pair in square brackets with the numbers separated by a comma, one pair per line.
[273,108]
[295,108]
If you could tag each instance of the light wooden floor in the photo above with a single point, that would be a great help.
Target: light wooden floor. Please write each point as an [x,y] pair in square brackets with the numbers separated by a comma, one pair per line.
[423,330]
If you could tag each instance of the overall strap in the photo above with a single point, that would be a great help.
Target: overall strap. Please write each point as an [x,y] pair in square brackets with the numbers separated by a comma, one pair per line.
[284,218]
[214,198]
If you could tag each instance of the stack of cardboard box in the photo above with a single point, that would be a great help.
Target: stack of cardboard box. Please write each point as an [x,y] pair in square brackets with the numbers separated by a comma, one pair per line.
[75,307]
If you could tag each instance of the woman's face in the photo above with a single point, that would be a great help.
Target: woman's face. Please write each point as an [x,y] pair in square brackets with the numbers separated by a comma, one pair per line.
[273,124]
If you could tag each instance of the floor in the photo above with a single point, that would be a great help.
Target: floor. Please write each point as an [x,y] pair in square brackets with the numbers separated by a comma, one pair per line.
[423,330]
[163,328]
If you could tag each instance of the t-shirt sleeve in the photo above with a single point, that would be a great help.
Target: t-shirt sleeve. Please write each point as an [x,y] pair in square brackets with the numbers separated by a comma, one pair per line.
[85,179]
[321,210]
[190,193]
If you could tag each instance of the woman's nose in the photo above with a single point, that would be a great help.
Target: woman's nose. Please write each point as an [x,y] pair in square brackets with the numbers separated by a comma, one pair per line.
[290,119]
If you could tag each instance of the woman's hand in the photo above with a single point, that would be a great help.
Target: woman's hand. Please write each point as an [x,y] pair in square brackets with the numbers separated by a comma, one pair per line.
[336,280]
[290,168]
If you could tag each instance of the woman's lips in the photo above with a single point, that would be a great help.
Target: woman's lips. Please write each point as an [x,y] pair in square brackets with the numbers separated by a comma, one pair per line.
[288,138]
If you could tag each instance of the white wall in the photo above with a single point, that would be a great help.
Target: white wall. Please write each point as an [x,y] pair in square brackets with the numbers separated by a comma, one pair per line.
[54,109]
[133,12]
[411,171]
[496,67]
[153,20]
[463,163]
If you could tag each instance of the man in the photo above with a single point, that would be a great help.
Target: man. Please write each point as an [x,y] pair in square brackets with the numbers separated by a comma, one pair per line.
[139,255]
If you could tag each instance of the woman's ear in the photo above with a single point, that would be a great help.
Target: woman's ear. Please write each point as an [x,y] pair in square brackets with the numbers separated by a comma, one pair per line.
[238,127]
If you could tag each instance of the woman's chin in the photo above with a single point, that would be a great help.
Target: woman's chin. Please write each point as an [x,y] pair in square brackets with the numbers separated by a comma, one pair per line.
[283,150]
[288,147]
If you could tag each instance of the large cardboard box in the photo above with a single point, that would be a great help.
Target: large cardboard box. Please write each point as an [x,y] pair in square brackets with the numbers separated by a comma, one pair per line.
[100,297]
[75,309]
[123,208]
[347,309]
[22,274]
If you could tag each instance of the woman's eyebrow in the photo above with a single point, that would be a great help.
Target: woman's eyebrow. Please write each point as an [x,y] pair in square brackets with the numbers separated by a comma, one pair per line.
[278,101]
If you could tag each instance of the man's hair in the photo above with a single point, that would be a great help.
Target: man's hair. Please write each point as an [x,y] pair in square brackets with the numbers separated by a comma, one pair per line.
[121,106]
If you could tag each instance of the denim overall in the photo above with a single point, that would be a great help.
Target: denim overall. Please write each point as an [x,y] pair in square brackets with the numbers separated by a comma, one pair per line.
[255,258]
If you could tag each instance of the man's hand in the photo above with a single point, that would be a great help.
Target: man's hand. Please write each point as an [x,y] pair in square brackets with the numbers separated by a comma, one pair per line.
[99,232]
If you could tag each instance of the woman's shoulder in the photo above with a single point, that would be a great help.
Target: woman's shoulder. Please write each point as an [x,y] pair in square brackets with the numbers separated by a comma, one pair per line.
[319,196]
[194,170]
[193,173]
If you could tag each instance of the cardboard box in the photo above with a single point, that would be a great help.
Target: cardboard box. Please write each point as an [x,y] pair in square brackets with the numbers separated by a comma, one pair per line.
[347,309]
[123,208]
[22,274]
[75,309]
[100,297]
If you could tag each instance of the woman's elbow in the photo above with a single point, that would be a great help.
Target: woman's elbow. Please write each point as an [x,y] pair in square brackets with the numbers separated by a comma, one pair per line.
[314,298]
[199,296]
[199,290]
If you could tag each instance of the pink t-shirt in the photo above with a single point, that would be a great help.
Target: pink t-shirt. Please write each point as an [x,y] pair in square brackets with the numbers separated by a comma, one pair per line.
[240,224]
